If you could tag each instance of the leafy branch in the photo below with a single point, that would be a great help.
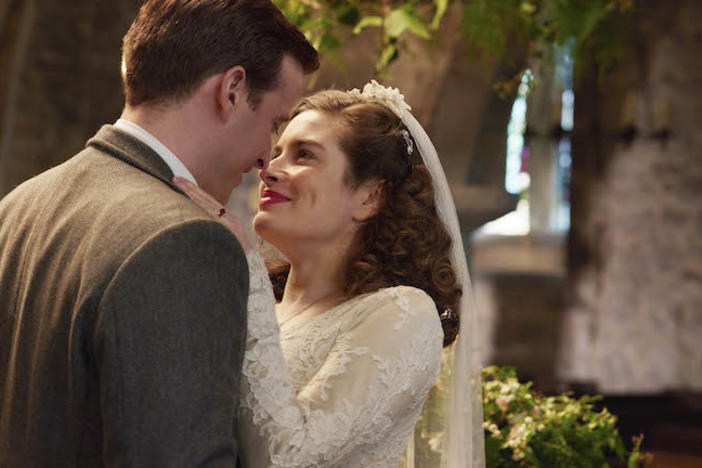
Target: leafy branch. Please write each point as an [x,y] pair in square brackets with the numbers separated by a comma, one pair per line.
[594,28]
[321,22]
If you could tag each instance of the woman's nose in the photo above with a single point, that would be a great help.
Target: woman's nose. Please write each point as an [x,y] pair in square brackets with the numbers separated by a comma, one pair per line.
[271,174]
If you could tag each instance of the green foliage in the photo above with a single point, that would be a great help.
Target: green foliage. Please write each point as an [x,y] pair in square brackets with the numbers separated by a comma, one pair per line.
[594,29]
[401,19]
[324,22]
[493,26]
[523,429]
[488,24]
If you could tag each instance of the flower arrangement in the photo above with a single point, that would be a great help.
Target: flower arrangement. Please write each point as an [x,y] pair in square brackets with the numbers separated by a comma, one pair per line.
[524,429]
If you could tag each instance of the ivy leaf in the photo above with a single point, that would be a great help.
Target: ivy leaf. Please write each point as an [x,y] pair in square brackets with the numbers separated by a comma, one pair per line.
[388,54]
[528,8]
[589,22]
[368,21]
[441,6]
[402,19]
[327,42]
[349,15]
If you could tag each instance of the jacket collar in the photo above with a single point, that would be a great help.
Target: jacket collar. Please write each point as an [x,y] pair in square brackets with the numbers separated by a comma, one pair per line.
[134,152]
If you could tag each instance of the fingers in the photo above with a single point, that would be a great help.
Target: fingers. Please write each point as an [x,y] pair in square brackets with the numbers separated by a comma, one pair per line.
[205,201]
[199,196]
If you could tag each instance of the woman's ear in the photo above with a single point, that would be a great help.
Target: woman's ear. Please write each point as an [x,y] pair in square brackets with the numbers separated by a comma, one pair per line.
[231,91]
[369,200]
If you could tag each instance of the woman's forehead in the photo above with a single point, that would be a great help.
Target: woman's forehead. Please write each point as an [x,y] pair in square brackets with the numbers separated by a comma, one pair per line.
[311,127]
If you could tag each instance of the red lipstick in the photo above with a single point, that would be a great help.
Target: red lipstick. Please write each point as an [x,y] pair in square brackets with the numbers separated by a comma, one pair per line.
[270,197]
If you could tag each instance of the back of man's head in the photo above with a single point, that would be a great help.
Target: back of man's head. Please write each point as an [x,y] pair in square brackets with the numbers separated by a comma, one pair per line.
[174,45]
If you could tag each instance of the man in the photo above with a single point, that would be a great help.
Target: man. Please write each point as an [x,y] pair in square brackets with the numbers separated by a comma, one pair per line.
[122,303]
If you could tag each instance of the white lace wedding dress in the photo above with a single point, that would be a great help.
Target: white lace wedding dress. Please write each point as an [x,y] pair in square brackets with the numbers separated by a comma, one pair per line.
[338,389]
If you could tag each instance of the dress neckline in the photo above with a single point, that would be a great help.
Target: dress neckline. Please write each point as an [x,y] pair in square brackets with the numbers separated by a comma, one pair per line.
[306,318]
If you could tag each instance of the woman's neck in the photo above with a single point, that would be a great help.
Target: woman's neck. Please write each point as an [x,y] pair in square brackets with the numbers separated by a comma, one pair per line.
[313,277]
[313,285]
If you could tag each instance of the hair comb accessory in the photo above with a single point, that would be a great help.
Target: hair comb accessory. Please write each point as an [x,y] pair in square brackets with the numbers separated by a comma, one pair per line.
[408,141]
[448,314]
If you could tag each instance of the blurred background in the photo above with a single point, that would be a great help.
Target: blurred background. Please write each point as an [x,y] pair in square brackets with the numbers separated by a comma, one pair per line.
[570,131]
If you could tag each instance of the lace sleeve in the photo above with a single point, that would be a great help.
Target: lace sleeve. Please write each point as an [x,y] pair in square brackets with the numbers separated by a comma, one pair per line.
[374,379]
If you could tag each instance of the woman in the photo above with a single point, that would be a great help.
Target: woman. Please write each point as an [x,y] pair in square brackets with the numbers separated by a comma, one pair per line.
[336,373]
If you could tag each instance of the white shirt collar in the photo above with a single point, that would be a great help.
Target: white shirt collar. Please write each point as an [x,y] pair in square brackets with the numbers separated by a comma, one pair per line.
[175,164]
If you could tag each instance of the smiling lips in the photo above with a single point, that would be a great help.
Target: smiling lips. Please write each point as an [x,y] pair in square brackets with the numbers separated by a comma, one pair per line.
[269,197]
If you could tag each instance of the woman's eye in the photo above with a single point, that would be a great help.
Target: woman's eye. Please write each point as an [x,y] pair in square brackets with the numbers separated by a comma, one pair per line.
[305,155]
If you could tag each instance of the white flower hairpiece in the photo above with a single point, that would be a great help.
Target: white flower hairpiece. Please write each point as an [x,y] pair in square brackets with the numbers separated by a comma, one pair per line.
[391,97]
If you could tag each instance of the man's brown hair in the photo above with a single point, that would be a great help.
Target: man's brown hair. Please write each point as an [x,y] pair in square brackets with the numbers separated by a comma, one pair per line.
[173,45]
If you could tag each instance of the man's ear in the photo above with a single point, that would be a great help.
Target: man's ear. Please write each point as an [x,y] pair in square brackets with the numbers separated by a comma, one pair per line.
[369,198]
[231,91]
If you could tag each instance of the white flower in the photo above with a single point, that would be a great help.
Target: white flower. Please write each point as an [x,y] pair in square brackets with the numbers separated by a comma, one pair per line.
[391,97]
[435,443]
[503,401]
[492,428]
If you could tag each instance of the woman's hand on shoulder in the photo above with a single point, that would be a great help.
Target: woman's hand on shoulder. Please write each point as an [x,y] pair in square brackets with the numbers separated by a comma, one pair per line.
[207,202]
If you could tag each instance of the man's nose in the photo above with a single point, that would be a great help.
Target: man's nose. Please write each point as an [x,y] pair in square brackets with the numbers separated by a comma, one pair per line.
[263,162]
[274,171]
[265,159]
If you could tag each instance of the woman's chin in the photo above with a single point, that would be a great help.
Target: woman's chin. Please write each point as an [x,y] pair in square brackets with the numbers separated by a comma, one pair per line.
[265,228]
[260,223]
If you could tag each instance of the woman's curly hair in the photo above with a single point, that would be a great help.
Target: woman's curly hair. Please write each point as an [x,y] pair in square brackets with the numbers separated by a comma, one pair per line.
[405,243]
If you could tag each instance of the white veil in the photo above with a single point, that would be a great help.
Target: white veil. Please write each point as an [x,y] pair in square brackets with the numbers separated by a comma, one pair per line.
[458,402]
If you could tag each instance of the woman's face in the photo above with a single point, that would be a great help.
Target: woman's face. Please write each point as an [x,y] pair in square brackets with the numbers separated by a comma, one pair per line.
[304,195]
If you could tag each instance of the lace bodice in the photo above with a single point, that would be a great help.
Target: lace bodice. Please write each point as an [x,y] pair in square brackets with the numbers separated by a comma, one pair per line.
[343,388]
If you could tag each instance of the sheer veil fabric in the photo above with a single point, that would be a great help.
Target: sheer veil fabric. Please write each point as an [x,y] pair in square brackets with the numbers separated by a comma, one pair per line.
[452,421]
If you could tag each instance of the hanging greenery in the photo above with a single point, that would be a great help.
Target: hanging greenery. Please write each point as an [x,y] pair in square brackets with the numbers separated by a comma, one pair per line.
[321,21]
[593,27]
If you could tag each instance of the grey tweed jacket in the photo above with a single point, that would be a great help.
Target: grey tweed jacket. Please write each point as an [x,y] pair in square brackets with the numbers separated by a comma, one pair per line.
[122,317]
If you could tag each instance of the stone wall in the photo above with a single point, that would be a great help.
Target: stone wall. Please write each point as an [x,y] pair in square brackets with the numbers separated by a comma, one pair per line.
[60,63]
[519,283]
[635,252]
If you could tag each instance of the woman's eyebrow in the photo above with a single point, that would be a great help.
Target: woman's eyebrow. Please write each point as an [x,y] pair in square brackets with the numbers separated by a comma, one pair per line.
[313,143]
[300,142]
